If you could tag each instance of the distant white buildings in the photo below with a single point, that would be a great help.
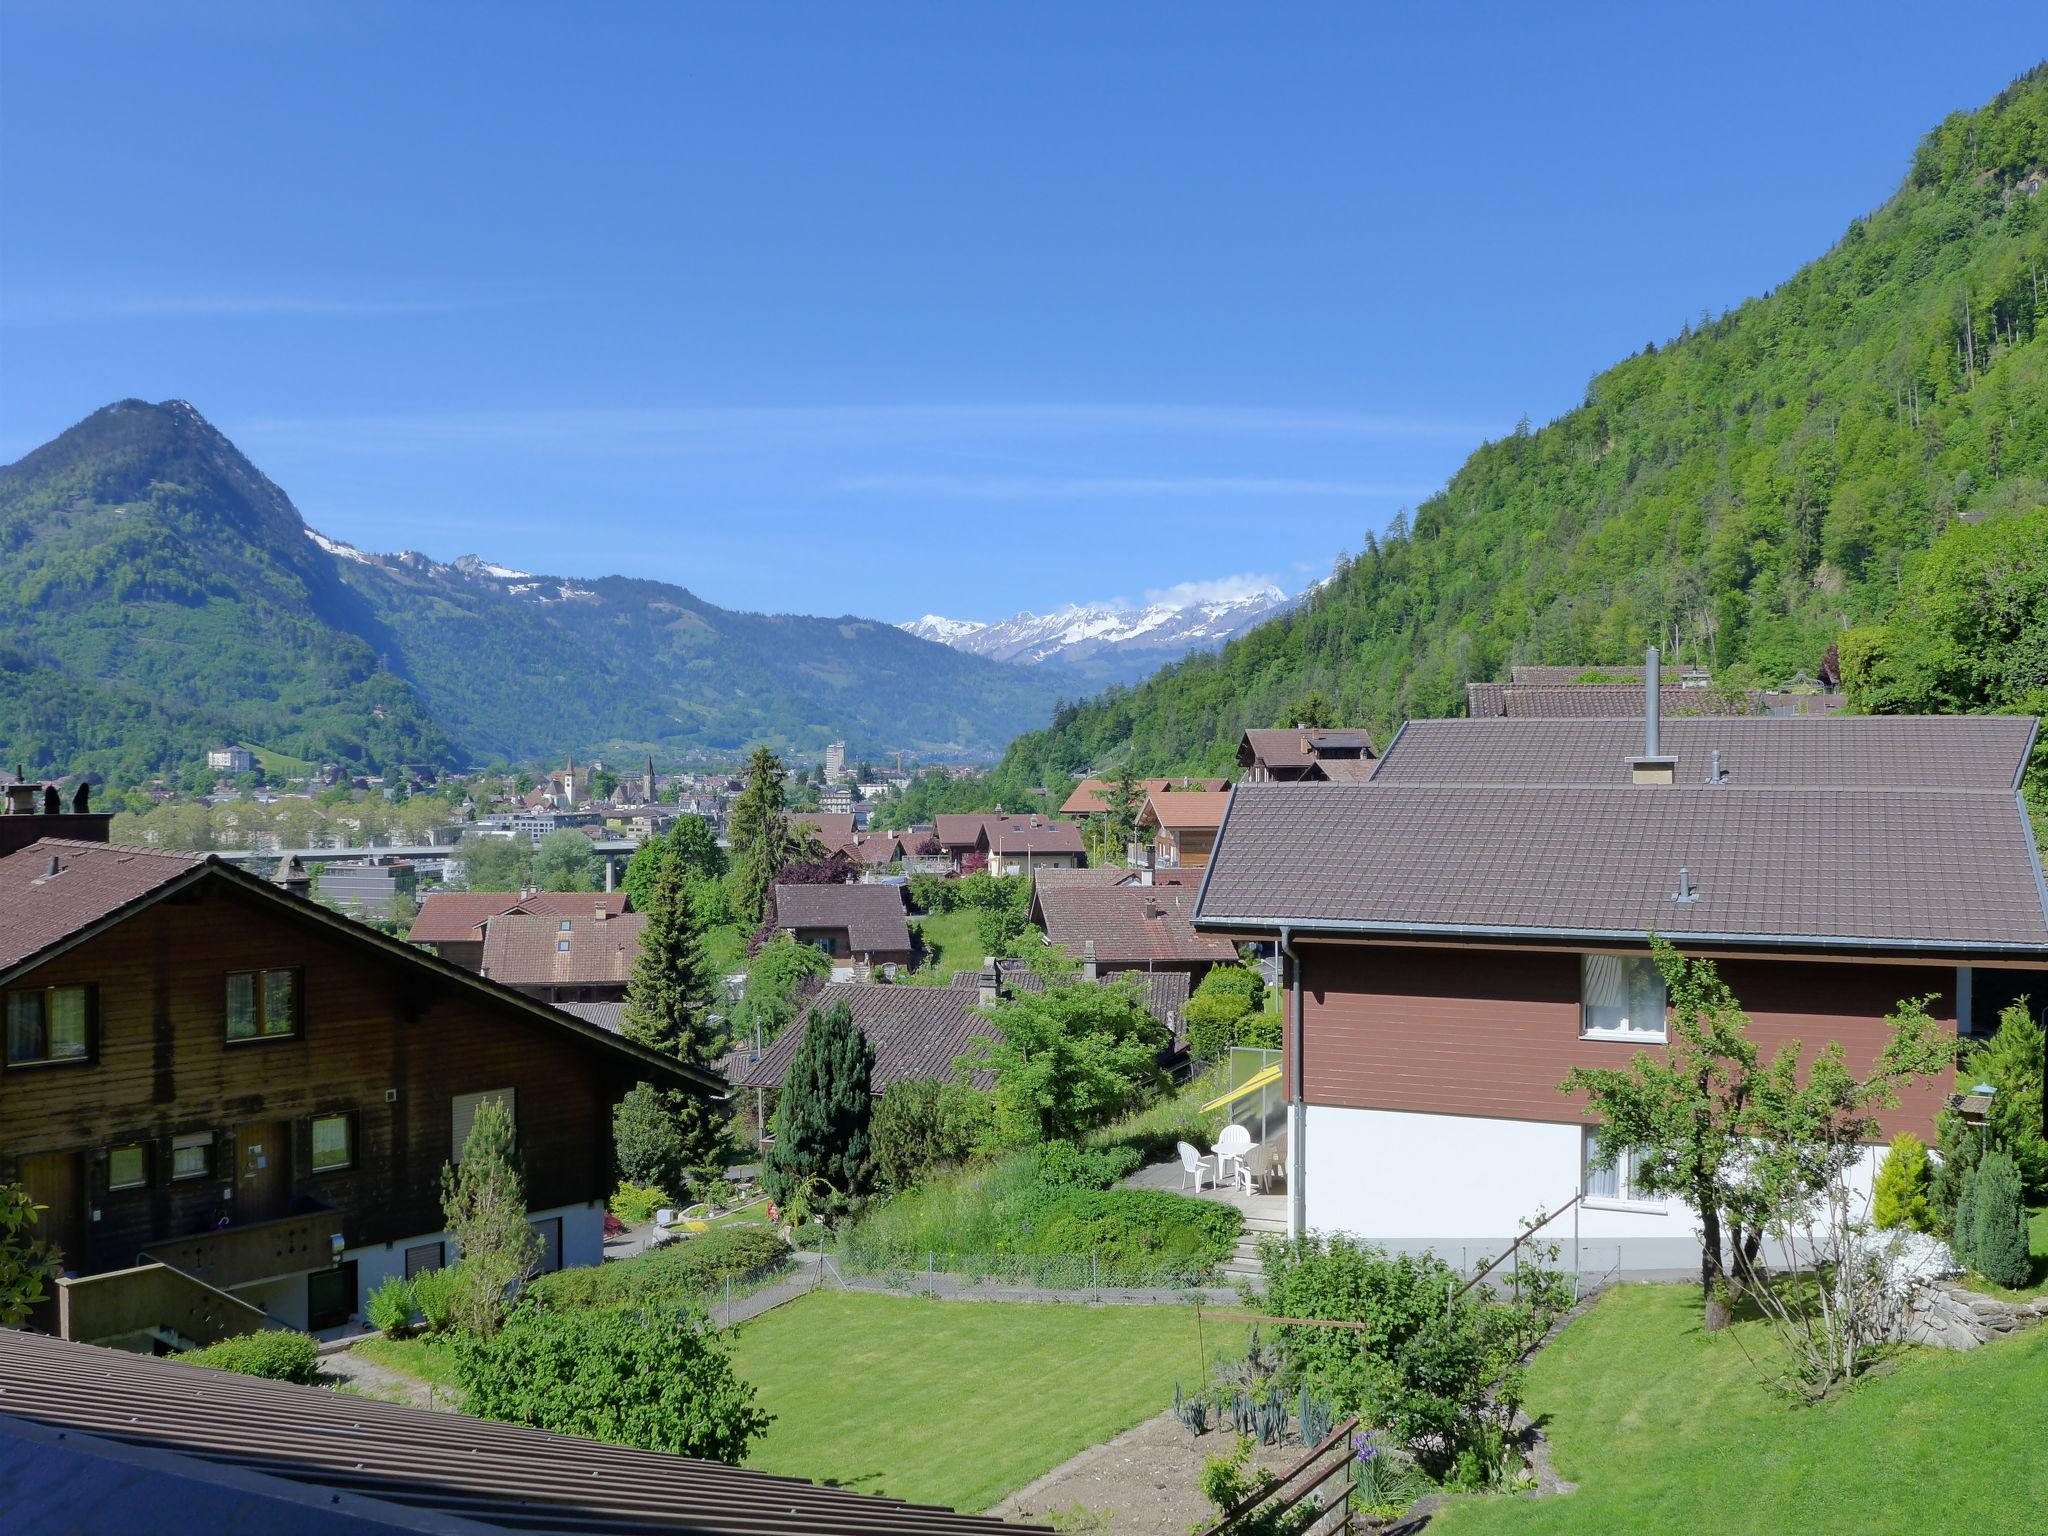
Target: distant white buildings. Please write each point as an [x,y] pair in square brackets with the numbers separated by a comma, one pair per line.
[835,762]
[230,760]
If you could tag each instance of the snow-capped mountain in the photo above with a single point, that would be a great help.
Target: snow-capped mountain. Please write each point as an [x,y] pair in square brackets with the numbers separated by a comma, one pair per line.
[1104,642]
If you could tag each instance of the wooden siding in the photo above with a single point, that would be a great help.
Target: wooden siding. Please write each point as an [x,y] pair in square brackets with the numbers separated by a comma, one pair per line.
[1492,1032]
[371,1026]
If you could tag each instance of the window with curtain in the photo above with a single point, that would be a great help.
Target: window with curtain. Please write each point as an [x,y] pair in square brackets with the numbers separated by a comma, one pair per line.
[1615,1182]
[262,1004]
[127,1167]
[1621,997]
[48,1024]
[192,1156]
[331,1148]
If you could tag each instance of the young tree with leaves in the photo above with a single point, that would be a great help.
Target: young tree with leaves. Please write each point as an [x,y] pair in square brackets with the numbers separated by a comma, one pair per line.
[1739,1139]
[25,1264]
[565,861]
[1067,1058]
[483,1201]
[669,1009]
[822,1116]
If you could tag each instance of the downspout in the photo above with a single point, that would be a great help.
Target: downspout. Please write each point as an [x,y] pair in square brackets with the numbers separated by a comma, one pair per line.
[1297,1106]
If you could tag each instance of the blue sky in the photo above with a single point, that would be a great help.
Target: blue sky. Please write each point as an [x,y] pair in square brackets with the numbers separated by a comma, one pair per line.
[901,308]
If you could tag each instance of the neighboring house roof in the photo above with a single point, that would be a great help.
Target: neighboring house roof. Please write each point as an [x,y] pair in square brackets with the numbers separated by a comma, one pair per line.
[1090,796]
[1130,924]
[1602,701]
[100,884]
[1932,870]
[878,850]
[832,827]
[609,1017]
[1165,992]
[1184,809]
[1625,673]
[1032,834]
[1837,752]
[872,915]
[453,917]
[1293,745]
[916,1033]
[145,1438]
[524,949]
[1347,770]
[958,831]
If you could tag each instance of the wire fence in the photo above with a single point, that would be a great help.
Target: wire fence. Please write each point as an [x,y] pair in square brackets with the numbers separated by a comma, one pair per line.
[939,1270]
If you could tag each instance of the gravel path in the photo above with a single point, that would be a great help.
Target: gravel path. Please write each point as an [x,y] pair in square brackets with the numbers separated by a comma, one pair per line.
[347,1368]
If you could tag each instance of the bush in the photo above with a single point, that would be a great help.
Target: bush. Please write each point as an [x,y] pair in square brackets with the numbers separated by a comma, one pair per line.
[2012,1063]
[1211,1026]
[636,1203]
[1062,1165]
[1133,1230]
[1260,1031]
[934,894]
[389,1308]
[436,1293]
[666,1276]
[654,1380]
[1900,1196]
[919,1125]
[277,1354]
[1998,1225]
[649,1139]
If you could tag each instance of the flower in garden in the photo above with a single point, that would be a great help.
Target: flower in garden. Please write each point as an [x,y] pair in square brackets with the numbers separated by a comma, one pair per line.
[1363,1446]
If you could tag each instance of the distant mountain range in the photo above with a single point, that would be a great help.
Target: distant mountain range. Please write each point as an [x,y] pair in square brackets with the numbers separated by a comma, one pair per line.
[1104,643]
[159,595]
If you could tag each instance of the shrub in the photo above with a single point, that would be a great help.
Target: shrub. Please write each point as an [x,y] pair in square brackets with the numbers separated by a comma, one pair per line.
[2012,1063]
[933,894]
[654,1380]
[1139,1229]
[436,1294]
[650,1140]
[636,1203]
[1212,1024]
[1900,1196]
[390,1306]
[663,1276]
[1260,1031]
[1998,1225]
[276,1354]
[920,1124]
[1062,1165]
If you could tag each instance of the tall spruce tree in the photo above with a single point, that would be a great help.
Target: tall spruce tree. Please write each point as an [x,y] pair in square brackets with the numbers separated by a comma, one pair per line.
[668,1008]
[759,830]
[821,1120]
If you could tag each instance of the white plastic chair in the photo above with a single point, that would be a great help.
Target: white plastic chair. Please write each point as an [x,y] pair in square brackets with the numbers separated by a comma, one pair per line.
[1231,1146]
[1193,1165]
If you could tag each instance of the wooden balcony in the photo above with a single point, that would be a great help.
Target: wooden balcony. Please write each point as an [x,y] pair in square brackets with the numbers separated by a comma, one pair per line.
[259,1250]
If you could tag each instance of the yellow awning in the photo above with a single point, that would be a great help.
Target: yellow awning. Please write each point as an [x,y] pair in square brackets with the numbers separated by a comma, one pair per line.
[1258,1080]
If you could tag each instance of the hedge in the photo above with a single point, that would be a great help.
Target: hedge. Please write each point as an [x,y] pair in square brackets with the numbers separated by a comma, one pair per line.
[277,1354]
[689,1267]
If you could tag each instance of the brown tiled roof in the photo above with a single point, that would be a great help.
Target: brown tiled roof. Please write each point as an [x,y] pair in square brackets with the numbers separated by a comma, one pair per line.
[609,1017]
[274,1456]
[958,831]
[1088,796]
[1483,701]
[1950,871]
[1285,744]
[1165,992]
[1130,924]
[915,1031]
[447,917]
[1625,672]
[872,915]
[1839,751]
[524,949]
[1347,770]
[1607,701]
[1187,808]
[833,827]
[95,881]
[1032,834]
[885,849]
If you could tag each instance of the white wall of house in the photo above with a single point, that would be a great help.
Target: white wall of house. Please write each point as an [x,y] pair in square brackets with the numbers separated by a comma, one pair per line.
[1018,863]
[582,1243]
[1462,1186]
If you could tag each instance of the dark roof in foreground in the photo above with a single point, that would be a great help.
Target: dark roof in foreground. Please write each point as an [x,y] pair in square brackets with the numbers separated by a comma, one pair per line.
[1930,870]
[916,1032]
[252,1446]
[1985,752]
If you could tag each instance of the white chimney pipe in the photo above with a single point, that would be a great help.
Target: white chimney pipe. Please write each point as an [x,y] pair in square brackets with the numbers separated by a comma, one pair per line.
[1653,678]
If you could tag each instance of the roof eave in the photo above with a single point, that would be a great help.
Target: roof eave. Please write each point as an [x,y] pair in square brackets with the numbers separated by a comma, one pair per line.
[1347,927]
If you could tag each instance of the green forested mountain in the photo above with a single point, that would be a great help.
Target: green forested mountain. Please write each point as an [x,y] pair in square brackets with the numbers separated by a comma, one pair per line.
[1745,492]
[159,595]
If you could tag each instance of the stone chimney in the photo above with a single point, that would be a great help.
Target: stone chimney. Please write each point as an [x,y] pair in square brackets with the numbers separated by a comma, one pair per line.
[598,913]
[989,985]
[291,877]
[1088,971]
[37,810]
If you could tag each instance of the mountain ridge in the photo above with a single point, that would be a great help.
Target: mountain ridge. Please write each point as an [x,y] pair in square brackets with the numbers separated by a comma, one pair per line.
[159,594]
[1106,642]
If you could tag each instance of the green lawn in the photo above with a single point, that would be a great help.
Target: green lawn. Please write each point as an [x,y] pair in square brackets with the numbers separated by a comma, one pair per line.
[958,1402]
[954,940]
[424,1359]
[1667,1428]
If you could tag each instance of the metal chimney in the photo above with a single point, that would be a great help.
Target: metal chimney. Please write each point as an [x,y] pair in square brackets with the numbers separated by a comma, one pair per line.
[1653,678]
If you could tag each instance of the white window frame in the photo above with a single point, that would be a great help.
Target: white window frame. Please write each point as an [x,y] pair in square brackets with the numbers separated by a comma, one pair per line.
[1633,974]
[1627,1196]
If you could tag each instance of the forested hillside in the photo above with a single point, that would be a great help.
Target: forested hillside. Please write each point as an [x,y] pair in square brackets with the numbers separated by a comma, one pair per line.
[1747,491]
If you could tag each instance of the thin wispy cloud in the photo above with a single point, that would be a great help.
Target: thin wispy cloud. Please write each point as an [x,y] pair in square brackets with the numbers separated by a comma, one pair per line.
[702,429]
[1097,487]
[1221,589]
[31,308]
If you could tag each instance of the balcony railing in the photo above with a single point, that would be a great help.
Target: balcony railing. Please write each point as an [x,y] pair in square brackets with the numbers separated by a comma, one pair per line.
[259,1250]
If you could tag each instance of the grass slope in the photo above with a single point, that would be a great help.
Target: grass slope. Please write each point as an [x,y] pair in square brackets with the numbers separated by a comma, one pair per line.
[958,1403]
[953,939]
[1666,1428]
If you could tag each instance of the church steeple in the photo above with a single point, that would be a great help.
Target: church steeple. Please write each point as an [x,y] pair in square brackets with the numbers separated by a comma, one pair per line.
[650,779]
[569,784]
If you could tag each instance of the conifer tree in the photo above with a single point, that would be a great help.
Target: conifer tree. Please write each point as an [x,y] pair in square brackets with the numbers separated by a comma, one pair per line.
[483,1200]
[668,1009]
[1998,1247]
[1899,1198]
[2017,1121]
[822,1118]
[759,832]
